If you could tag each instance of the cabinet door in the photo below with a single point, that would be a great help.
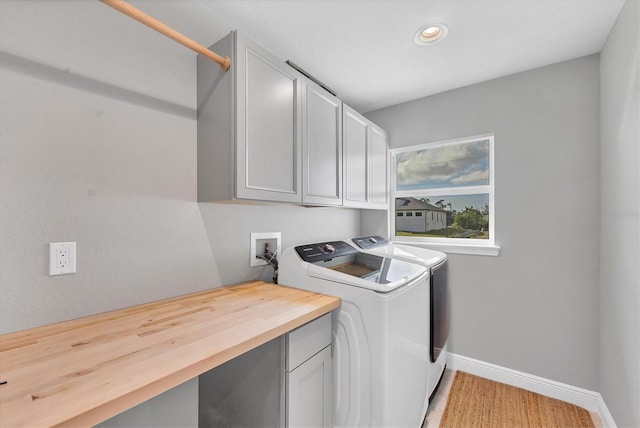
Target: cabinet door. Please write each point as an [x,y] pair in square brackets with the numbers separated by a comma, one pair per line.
[355,136]
[267,133]
[309,392]
[378,164]
[321,146]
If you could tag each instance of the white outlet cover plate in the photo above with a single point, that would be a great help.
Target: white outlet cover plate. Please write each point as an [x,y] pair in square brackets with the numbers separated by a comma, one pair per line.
[62,258]
[253,261]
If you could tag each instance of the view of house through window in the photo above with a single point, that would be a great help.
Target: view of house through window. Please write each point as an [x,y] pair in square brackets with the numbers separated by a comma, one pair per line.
[444,191]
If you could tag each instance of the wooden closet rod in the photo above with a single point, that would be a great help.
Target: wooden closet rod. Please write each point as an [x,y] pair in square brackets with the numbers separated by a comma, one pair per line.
[151,22]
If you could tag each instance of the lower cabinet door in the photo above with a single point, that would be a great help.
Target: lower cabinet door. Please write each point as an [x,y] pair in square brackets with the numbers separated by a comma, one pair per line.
[309,392]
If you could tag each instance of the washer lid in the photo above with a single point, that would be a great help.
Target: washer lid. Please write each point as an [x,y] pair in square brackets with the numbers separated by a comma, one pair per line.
[409,254]
[340,262]
[369,271]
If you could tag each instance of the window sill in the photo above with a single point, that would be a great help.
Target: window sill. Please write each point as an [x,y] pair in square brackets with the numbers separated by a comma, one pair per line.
[469,249]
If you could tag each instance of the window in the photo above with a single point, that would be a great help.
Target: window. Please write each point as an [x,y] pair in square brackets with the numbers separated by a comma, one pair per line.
[454,182]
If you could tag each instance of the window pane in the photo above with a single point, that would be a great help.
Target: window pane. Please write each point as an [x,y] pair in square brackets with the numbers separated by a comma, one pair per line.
[455,165]
[459,216]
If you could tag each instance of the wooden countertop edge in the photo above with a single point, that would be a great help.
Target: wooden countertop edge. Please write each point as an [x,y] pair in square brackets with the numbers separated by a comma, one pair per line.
[133,398]
[162,384]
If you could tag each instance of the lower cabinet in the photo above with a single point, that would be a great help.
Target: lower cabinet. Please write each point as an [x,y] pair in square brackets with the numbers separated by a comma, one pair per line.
[286,382]
[309,392]
[309,375]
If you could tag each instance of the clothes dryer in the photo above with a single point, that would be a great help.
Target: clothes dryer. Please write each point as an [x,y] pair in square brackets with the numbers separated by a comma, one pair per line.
[438,302]
[380,336]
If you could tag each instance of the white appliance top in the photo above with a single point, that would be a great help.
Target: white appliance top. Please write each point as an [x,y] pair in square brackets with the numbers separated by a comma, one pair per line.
[338,261]
[380,246]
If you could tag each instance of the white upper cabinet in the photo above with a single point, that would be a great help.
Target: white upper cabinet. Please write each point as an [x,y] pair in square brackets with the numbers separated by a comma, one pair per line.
[268,133]
[378,164]
[321,146]
[355,141]
[365,162]
[249,139]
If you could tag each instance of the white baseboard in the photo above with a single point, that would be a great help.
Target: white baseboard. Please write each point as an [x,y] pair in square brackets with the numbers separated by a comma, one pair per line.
[605,415]
[585,398]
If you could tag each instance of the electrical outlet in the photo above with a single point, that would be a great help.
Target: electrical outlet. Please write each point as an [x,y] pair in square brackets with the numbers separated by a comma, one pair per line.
[62,258]
[258,242]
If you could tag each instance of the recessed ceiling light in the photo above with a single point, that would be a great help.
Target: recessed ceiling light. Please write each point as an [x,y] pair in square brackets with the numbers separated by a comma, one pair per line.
[431,34]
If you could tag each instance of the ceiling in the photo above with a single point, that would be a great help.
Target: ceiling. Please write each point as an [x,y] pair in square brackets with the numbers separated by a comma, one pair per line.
[364,49]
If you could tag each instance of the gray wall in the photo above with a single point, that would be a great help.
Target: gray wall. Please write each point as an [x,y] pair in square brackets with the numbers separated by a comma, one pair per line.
[98,146]
[620,234]
[534,308]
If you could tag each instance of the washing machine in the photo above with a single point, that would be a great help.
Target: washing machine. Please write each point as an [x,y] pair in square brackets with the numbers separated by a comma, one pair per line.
[380,332]
[438,302]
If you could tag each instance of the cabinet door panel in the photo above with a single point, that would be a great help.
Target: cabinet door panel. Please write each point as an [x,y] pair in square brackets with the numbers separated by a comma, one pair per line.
[309,392]
[378,163]
[322,147]
[268,140]
[355,130]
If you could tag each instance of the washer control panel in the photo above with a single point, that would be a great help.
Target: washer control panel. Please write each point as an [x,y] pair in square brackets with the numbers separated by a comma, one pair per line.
[324,251]
[365,242]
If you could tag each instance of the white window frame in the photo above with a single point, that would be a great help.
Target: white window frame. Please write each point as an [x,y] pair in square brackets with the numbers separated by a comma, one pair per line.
[486,247]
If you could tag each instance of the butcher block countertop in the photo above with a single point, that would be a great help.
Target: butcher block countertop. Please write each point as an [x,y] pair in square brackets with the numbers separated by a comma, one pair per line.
[84,371]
